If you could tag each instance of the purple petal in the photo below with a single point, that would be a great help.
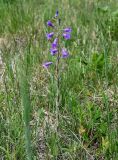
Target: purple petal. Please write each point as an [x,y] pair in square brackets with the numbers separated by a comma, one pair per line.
[57,13]
[49,23]
[65,53]
[53,51]
[47,64]
[66,36]
[68,30]
[55,43]
[49,35]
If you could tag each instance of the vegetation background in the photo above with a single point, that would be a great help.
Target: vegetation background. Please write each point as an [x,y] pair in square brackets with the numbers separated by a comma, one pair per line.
[88,116]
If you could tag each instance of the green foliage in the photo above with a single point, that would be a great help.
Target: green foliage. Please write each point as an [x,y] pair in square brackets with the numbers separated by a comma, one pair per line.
[88,108]
[114,25]
[25,97]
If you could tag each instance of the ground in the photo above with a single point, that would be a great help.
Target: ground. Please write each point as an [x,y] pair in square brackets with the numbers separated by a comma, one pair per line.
[88,110]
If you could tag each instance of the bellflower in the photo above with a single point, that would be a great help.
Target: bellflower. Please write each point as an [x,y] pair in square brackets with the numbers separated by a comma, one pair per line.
[53,51]
[55,43]
[68,30]
[66,36]
[50,24]
[47,64]
[64,53]
[57,13]
[49,35]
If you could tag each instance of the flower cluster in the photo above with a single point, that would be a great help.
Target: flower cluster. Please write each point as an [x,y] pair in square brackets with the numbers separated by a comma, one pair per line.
[54,38]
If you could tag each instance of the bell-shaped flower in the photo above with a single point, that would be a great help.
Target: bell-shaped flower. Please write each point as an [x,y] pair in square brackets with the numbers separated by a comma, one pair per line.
[47,64]
[53,51]
[64,53]
[49,35]
[68,30]
[66,36]
[50,24]
[55,43]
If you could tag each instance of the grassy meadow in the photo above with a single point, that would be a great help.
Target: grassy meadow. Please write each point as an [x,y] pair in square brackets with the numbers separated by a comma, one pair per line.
[88,110]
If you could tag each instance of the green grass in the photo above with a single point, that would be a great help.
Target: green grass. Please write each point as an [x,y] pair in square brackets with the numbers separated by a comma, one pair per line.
[88,115]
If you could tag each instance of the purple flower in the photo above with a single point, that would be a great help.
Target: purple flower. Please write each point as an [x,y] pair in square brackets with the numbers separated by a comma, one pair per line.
[68,30]
[55,43]
[64,53]
[49,23]
[53,51]
[57,13]
[49,35]
[47,64]
[66,36]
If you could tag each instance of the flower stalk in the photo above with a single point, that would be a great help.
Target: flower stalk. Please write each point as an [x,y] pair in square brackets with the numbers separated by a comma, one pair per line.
[58,87]
[57,35]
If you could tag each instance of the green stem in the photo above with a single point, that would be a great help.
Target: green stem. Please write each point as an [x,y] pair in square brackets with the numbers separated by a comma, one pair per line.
[58,89]
[58,81]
